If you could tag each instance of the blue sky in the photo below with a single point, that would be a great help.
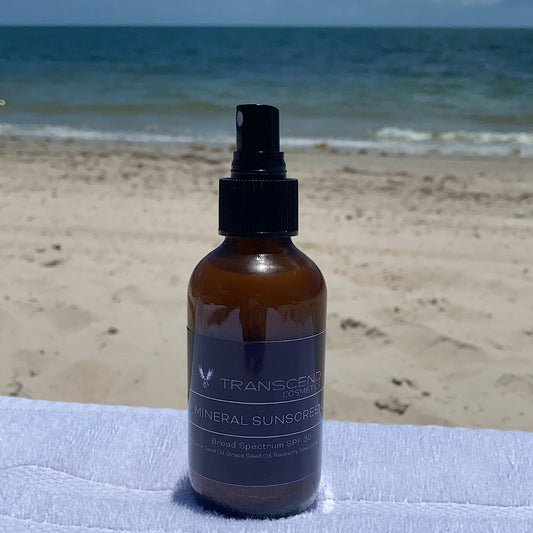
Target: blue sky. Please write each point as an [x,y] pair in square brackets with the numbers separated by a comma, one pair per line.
[513,13]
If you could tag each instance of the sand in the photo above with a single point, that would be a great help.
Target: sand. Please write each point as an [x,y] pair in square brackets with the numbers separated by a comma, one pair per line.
[428,260]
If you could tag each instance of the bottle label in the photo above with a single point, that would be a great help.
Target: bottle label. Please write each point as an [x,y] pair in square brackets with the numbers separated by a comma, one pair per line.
[255,409]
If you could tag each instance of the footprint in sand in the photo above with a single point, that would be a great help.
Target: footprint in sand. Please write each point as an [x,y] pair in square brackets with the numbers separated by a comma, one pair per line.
[52,262]
[5,320]
[358,330]
[434,351]
[70,318]
[521,385]
[86,381]
[134,295]
[392,404]
[12,389]
[130,293]
[28,363]
[24,365]
[448,350]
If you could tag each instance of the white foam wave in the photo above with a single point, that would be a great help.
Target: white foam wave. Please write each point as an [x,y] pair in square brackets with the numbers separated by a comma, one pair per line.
[67,132]
[394,140]
[518,138]
[388,139]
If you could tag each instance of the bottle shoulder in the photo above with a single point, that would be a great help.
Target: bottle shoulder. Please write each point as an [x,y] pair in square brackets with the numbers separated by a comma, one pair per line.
[283,269]
[256,293]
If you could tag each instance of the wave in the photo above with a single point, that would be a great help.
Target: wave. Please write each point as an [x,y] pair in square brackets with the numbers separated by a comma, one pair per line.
[388,139]
[409,141]
[67,132]
[473,137]
[480,143]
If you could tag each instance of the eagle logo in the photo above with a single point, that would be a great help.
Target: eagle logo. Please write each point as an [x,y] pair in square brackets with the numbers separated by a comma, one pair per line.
[206,377]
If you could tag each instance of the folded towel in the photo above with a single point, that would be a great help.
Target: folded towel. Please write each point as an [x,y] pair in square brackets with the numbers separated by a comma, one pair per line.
[105,469]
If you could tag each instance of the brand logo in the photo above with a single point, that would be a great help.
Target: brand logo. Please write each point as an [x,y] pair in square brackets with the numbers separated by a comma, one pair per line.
[206,377]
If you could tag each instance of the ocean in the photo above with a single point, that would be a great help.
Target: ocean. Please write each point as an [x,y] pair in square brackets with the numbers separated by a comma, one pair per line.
[459,91]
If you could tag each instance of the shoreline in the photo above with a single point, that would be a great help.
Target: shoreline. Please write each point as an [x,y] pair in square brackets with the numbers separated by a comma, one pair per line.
[361,147]
[379,160]
[426,257]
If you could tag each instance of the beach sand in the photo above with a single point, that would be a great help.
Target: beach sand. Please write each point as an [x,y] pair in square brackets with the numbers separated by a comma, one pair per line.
[428,260]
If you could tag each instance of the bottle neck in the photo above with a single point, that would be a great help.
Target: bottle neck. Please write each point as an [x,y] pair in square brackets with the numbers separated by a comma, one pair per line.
[258,245]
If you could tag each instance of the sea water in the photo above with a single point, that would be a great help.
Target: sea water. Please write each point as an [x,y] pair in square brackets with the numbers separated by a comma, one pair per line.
[463,91]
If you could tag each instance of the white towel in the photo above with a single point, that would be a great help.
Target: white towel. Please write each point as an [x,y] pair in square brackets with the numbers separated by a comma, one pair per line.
[74,468]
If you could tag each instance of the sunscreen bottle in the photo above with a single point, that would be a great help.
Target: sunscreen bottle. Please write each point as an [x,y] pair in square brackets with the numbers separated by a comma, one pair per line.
[256,341]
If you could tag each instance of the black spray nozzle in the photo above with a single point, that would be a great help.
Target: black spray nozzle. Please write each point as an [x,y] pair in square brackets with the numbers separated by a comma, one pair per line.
[258,200]
[257,142]
[257,128]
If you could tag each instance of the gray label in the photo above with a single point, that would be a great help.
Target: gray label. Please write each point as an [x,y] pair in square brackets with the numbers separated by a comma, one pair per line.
[255,409]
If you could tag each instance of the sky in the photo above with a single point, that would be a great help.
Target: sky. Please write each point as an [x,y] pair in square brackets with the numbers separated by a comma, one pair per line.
[489,13]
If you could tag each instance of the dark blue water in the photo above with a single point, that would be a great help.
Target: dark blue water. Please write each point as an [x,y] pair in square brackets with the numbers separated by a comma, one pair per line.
[414,90]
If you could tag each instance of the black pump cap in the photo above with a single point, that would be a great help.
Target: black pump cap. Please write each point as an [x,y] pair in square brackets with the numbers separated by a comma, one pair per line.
[258,200]
[257,141]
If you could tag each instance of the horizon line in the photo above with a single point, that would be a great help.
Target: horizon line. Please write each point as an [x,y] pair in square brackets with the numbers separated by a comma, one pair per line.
[287,26]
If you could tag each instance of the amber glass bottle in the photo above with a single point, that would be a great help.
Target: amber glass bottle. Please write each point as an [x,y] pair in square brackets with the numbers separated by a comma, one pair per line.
[256,331]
